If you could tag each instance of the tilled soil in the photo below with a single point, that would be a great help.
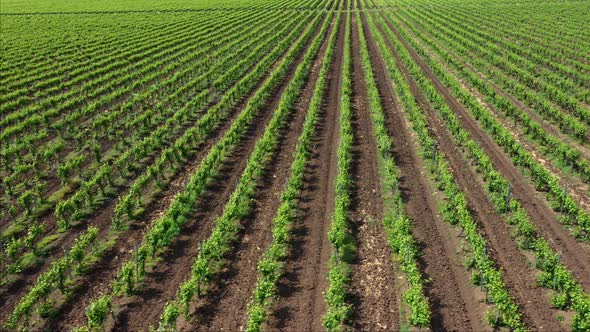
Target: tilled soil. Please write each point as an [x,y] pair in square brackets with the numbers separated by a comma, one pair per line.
[536,206]
[300,305]
[454,304]
[224,307]
[519,276]
[97,280]
[373,283]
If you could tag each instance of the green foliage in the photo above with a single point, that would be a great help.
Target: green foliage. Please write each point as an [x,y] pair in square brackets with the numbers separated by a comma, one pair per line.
[53,278]
[455,210]
[562,152]
[270,265]
[211,252]
[98,311]
[169,316]
[338,310]
[554,274]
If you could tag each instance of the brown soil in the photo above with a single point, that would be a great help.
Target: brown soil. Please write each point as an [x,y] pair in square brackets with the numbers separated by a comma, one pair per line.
[301,302]
[540,212]
[140,312]
[549,127]
[453,304]
[102,220]
[519,276]
[373,284]
[224,307]
[53,182]
[96,281]
[577,189]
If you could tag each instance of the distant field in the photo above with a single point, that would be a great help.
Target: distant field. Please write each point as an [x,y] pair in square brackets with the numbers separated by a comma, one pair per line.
[46,6]
[295,165]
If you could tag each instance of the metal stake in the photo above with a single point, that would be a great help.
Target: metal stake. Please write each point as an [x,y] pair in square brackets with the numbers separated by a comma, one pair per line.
[563,200]
[508,196]
[136,263]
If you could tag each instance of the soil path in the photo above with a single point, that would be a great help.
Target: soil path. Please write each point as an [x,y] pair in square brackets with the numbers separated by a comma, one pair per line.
[455,305]
[301,302]
[519,276]
[373,282]
[575,254]
[225,306]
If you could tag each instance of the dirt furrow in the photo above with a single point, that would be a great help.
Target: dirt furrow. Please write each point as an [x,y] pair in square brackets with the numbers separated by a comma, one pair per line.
[542,215]
[373,282]
[97,280]
[224,307]
[301,302]
[454,305]
[548,126]
[16,289]
[101,219]
[519,276]
[142,311]
[576,187]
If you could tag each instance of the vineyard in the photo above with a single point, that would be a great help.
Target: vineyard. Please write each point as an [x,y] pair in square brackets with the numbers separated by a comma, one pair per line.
[295,165]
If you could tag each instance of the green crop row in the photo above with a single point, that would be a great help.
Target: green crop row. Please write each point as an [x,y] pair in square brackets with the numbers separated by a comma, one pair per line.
[338,309]
[167,227]
[212,119]
[164,167]
[55,277]
[568,292]
[210,256]
[573,214]
[493,64]
[454,209]
[397,224]
[270,265]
